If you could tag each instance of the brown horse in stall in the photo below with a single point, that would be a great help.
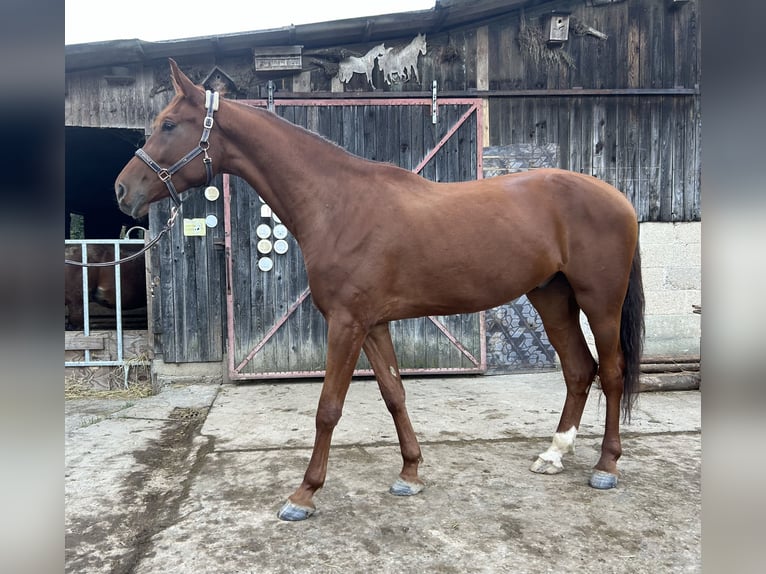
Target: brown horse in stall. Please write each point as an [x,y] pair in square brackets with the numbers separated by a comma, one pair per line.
[102,284]
[401,246]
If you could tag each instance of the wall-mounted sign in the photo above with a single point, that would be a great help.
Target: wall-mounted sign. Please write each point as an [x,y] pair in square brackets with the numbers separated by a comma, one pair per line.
[277,58]
[195,227]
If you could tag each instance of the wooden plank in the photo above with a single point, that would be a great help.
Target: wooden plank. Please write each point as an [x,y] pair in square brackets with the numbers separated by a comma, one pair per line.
[156,270]
[564,122]
[651,187]
[405,160]
[575,135]
[247,323]
[500,118]
[518,131]
[370,133]
[679,161]
[692,206]
[633,60]
[665,157]
[602,51]
[216,281]
[652,53]
[670,382]
[669,50]
[482,58]
[598,140]
[417,140]
[74,341]
[167,289]
[586,136]
[610,141]
[644,168]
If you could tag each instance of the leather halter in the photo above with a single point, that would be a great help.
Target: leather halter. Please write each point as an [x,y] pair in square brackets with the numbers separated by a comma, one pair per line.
[165,174]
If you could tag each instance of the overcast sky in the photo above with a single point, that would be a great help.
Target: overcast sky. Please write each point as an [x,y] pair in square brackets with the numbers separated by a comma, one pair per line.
[154,20]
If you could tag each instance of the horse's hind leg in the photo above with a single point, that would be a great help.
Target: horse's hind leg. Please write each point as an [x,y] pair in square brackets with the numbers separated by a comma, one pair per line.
[560,313]
[380,352]
[604,320]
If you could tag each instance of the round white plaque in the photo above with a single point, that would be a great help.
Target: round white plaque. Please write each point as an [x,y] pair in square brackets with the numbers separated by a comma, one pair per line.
[263,231]
[265,264]
[280,231]
[280,246]
[212,193]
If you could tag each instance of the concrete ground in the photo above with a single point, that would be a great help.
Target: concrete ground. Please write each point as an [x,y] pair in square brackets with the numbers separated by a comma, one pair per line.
[191,480]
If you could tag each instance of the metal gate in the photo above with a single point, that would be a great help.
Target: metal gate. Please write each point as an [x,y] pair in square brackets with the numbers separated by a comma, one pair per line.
[97,345]
[274,331]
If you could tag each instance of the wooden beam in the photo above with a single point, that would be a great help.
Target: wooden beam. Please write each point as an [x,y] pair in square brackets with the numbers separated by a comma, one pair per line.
[78,342]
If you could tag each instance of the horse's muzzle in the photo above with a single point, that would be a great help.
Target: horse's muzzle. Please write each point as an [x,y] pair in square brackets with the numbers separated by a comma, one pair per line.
[137,210]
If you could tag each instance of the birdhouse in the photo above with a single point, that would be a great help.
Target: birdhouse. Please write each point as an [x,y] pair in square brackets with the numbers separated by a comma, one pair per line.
[219,81]
[558,28]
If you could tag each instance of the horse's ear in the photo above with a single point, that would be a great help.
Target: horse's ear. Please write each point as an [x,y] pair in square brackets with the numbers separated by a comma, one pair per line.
[182,84]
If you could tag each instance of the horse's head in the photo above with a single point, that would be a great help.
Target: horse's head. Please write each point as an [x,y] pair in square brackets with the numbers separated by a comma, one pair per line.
[175,134]
[379,51]
[420,42]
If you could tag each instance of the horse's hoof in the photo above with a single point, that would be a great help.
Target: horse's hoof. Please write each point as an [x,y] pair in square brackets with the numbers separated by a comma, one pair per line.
[403,488]
[293,513]
[542,466]
[603,480]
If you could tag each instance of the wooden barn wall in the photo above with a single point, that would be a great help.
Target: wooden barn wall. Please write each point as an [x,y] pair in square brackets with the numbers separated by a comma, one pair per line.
[647,147]
[188,282]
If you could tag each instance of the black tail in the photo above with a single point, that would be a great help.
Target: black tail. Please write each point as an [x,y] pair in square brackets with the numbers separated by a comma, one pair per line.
[632,334]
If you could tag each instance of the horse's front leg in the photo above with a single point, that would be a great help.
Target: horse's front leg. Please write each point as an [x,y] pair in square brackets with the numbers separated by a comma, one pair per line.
[380,352]
[344,343]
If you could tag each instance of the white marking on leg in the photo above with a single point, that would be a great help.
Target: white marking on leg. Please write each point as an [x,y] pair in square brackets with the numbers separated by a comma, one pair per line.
[392,370]
[549,462]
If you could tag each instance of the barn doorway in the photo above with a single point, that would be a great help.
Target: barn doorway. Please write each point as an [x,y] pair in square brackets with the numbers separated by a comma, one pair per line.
[105,311]
[94,157]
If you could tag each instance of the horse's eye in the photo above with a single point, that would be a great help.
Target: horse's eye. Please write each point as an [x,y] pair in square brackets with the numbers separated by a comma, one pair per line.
[167,125]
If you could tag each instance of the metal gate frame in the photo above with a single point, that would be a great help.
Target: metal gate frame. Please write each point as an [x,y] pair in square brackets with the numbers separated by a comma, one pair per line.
[479,364]
[120,360]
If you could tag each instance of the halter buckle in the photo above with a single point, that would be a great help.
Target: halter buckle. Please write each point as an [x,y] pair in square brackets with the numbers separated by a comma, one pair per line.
[208,122]
[163,174]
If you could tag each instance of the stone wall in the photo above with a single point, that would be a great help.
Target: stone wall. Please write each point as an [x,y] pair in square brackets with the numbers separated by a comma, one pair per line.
[672,272]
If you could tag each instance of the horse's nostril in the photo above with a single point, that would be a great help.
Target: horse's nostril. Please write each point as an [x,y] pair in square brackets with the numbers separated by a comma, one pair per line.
[120,191]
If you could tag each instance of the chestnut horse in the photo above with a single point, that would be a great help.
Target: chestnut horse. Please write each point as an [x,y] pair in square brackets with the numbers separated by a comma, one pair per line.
[381,244]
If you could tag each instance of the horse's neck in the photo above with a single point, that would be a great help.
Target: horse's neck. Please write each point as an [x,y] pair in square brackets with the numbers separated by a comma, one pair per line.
[295,172]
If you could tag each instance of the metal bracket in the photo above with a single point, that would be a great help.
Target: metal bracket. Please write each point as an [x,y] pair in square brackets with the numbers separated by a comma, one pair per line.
[270,88]
[434,105]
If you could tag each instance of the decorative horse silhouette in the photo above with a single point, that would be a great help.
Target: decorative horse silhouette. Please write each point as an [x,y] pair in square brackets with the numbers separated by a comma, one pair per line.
[401,246]
[396,63]
[361,65]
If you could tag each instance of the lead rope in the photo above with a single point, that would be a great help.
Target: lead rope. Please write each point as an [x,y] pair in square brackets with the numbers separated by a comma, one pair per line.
[171,220]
